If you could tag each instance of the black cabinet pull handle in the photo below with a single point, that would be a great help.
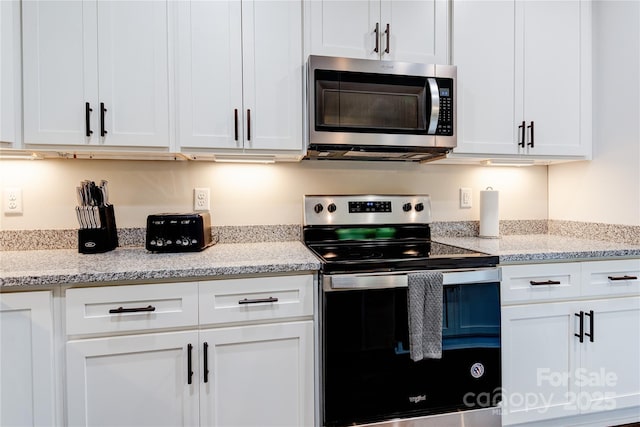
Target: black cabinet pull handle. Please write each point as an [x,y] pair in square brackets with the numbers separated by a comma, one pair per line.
[205,349]
[103,110]
[387,32]
[625,277]
[87,118]
[189,370]
[132,310]
[590,334]
[377,29]
[257,300]
[521,139]
[581,335]
[235,123]
[546,282]
[530,144]
[248,125]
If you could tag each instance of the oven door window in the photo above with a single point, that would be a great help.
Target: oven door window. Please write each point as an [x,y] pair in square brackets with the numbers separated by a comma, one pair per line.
[361,102]
[368,374]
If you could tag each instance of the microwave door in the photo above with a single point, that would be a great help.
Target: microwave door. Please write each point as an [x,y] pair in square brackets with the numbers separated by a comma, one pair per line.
[435,106]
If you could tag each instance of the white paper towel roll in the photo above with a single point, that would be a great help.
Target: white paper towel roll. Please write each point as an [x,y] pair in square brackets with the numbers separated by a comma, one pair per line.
[489,214]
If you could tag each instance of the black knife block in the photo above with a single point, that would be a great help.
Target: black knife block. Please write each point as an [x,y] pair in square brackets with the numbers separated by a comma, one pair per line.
[102,239]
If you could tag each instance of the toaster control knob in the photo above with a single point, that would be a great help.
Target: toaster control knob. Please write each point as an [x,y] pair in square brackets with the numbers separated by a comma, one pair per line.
[185,242]
[331,208]
[159,242]
[419,207]
[318,208]
[407,207]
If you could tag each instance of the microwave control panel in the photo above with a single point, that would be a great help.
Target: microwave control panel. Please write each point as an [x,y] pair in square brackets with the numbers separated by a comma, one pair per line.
[446,112]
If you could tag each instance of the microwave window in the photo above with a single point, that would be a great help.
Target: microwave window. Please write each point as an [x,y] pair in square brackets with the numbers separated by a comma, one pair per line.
[360,102]
[368,110]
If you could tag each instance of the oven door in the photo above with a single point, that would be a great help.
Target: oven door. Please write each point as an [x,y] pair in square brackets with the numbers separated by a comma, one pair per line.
[368,374]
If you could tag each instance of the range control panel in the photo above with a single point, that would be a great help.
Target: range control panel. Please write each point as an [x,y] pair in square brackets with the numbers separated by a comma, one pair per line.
[367,209]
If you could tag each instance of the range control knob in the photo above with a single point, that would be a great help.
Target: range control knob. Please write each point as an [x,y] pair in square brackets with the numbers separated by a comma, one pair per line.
[419,207]
[318,208]
[332,207]
[406,207]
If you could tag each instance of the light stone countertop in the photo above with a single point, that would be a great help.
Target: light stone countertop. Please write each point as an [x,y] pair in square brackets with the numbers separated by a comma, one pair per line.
[67,266]
[536,248]
[44,268]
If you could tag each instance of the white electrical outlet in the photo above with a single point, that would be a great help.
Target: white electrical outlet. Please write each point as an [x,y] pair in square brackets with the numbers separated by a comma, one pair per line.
[465,198]
[12,201]
[201,200]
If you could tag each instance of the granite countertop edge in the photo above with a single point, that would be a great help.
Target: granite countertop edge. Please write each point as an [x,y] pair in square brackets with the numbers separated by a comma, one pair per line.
[48,268]
[541,248]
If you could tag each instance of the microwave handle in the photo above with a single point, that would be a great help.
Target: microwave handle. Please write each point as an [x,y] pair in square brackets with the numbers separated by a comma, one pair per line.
[435,105]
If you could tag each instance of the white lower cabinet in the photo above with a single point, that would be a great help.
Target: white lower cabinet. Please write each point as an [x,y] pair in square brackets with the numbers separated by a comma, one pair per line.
[570,354]
[251,368]
[135,380]
[27,379]
[258,376]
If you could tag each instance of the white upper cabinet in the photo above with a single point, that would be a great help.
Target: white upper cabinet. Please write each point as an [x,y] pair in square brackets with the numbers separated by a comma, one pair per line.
[239,74]
[10,99]
[410,31]
[96,73]
[524,77]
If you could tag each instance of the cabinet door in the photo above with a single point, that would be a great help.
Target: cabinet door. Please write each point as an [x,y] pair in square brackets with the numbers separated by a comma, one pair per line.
[418,31]
[10,65]
[137,380]
[209,74]
[134,81]
[610,372]
[259,376]
[272,81]
[27,396]
[484,55]
[345,28]
[539,355]
[59,71]
[553,74]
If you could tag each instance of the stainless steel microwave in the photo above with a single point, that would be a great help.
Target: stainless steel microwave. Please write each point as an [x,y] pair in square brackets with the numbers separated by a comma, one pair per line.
[362,109]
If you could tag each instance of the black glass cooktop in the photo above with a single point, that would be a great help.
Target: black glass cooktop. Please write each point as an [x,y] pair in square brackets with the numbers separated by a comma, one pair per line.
[397,255]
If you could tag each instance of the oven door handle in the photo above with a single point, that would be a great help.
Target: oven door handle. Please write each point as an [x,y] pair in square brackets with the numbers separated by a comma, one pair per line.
[401,280]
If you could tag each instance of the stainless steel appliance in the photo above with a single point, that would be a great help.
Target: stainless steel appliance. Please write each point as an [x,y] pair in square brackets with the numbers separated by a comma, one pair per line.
[369,245]
[362,109]
[175,232]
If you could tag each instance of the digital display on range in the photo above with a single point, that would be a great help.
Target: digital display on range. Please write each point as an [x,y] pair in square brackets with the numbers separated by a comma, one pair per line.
[366,207]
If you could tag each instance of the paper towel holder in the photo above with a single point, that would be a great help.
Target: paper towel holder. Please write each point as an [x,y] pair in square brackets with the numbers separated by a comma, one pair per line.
[489,214]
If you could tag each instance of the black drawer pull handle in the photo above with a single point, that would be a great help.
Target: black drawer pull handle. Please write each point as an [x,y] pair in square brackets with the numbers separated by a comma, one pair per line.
[87,118]
[132,310]
[625,277]
[189,367]
[590,334]
[546,282]
[257,300]
[103,110]
[581,335]
[205,349]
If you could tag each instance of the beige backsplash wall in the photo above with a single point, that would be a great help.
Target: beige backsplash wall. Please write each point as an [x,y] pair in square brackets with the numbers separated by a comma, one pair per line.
[250,194]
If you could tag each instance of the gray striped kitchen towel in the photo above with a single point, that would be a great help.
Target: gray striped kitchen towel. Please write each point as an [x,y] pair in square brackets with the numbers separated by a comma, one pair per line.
[424,299]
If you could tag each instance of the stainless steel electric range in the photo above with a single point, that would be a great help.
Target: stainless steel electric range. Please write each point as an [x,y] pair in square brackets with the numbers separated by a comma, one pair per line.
[369,245]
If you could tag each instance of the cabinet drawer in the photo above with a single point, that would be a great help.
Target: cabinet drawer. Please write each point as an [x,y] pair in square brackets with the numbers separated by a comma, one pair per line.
[131,308]
[539,282]
[606,278]
[251,299]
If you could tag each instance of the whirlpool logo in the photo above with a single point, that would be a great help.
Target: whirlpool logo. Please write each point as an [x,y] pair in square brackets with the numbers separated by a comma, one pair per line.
[418,399]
